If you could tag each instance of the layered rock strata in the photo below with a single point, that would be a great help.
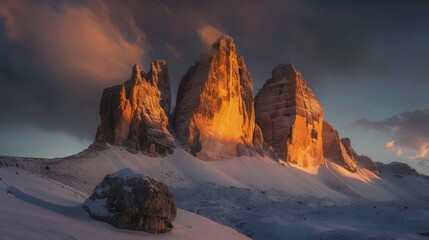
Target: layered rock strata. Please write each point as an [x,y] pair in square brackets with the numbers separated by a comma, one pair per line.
[290,117]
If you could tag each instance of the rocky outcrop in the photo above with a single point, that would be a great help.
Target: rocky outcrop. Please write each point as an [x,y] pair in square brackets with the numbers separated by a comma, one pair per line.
[334,150]
[158,76]
[258,140]
[347,143]
[367,163]
[342,153]
[361,160]
[134,113]
[132,201]
[214,114]
[290,117]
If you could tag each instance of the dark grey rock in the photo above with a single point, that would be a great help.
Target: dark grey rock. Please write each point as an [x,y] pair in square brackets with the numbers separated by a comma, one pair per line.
[132,201]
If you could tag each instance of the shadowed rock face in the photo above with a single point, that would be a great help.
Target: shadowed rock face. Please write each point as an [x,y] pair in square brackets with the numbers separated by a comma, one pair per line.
[290,117]
[366,162]
[342,153]
[361,160]
[131,201]
[334,149]
[398,169]
[258,140]
[133,114]
[158,76]
[214,114]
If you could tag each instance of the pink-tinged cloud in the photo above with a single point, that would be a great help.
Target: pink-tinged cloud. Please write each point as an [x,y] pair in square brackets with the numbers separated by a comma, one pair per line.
[389,145]
[409,131]
[398,152]
[422,153]
[208,34]
[74,41]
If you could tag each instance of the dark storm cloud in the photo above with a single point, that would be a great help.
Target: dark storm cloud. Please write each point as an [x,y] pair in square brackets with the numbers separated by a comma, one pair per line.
[348,39]
[57,56]
[409,130]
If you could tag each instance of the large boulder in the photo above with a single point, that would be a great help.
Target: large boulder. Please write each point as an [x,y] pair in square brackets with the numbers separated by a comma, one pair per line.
[290,117]
[214,114]
[334,149]
[134,113]
[132,201]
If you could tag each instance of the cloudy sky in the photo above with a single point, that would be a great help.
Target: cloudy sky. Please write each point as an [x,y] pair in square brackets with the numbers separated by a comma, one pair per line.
[367,61]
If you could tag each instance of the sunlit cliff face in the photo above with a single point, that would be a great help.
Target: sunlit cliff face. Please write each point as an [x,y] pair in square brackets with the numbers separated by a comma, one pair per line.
[306,145]
[229,121]
[222,117]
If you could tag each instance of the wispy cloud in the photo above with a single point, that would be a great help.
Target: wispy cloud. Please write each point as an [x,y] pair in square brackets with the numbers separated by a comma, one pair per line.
[174,51]
[209,34]
[398,152]
[422,154]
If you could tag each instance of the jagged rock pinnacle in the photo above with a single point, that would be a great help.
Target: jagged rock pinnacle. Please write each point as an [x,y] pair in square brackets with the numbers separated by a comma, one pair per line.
[334,149]
[132,114]
[214,114]
[136,73]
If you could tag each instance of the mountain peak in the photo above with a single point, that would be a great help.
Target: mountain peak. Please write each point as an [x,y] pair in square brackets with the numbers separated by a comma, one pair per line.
[225,38]
[136,73]
[158,76]
[214,114]
[224,43]
[134,114]
[288,67]
[285,72]
[290,117]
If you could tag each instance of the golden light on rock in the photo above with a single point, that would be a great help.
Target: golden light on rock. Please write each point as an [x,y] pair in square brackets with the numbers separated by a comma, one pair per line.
[214,115]
[132,113]
[291,117]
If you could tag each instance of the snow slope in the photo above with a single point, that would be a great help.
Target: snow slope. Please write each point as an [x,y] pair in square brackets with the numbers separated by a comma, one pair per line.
[35,207]
[262,198]
[182,170]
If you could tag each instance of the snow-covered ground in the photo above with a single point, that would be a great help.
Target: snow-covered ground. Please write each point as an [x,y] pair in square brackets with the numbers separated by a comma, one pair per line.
[35,207]
[262,198]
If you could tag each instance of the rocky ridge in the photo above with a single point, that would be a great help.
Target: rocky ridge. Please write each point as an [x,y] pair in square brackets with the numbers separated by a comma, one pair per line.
[217,117]
[362,161]
[366,162]
[334,149]
[341,152]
